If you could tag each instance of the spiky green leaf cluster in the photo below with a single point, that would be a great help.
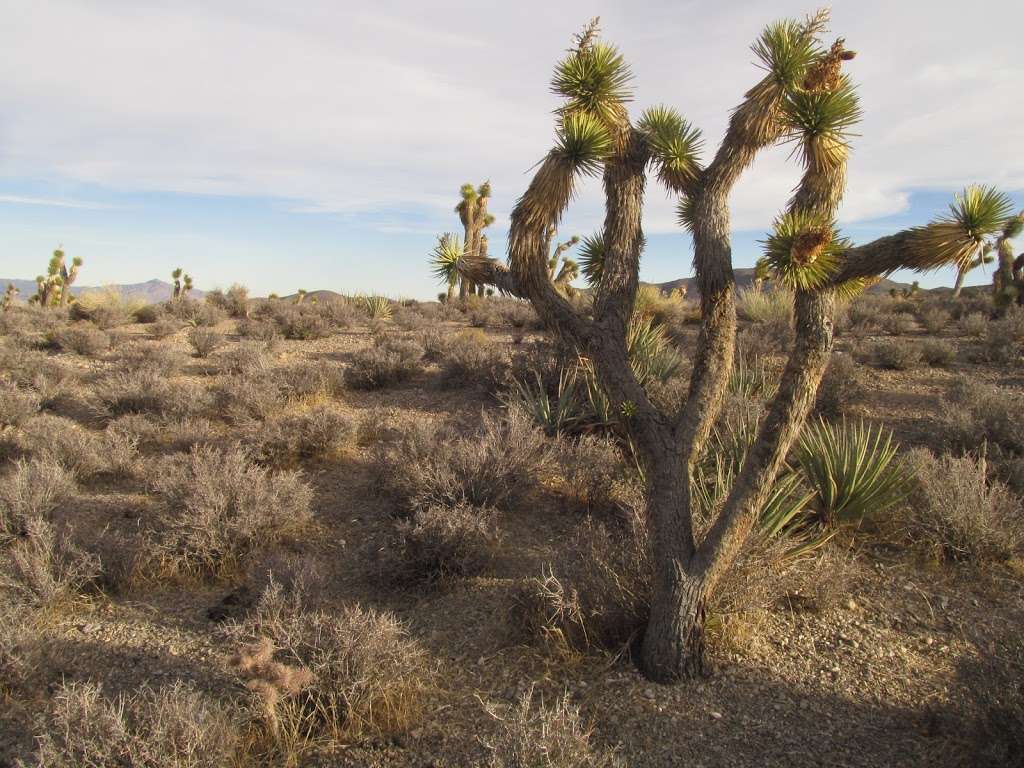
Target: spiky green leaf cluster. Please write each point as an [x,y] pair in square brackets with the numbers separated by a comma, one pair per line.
[591,258]
[853,468]
[595,79]
[674,144]
[820,121]
[583,142]
[980,211]
[377,307]
[786,48]
[785,251]
[445,258]
[651,354]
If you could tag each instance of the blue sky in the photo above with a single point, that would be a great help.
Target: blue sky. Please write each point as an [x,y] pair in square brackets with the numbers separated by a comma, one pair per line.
[317,145]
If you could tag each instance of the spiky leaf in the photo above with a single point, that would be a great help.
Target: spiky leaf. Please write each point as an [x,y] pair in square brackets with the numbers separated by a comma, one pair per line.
[595,80]
[591,258]
[673,142]
[803,249]
[583,143]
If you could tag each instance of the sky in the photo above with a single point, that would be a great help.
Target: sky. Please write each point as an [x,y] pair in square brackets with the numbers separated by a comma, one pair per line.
[321,143]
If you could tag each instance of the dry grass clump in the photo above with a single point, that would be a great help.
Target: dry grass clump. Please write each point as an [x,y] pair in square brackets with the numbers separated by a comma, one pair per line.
[388,362]
[982,414]
[938,353]
[146,391]
[60,440]
[19,643]
[316,433]
[204,340]
[17,405]
[439,542]
[769,307]
[222,507]
[195,313]
[346,675]
[31,489]
[429,466]
[1004,338]
[106,308]
[258,329]
[470,359]
[246,398]
[897,323]
[234,301]
[934,319]
[958,514]
[163,328]
[975,324]
[174,726]
[543,737]
[896,354]
[841,387]
[594,472]
[162,358]
[82,338]
[245,358]
[309,378]
[44,568]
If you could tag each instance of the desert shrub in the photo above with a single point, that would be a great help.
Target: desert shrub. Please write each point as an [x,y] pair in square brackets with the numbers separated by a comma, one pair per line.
[472,360]
[765,306]
[549,736]
[519,314]
[82,339]
[307,378]
[258,329]
[484,316]
[937,352]
[164,359]
[434,342]
[174,726]
[184,434]
[44,568]
[302,322]
[106,308]
[234,302]
[981,413]
[32,489]
[17,405]
[146,391]
[431,466]
[974,324]
[195,313]
[147,314]
[164,328]
[859,318]
[409,319]
[338,312]
[388,362]
[853,469]
[841,387]
[204,340]
[896,354]
[246,357]
[438,542]
[344,675]
[53,438]
[934,319]
[897,323]
[19,642]
[222,507]
[315,433]
[958,513]
[1004,338]
[594,472]
[245,398]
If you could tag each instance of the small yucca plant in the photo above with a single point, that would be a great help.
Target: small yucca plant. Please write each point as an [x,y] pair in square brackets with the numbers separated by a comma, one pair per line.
[554,415]
[377,307]
[852,469]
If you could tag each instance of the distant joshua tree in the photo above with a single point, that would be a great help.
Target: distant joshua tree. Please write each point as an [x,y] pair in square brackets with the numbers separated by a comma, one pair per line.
[54,288]
[803,98]
[182,284]
[570,270]
[8,297]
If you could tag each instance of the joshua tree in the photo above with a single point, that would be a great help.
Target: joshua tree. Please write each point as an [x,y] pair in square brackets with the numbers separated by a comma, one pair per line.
[1007,288]
[570,270]
[186,286]
[8,297]
[472,210]
[182,284]
[444,261]
[804,99]
[300,295]
[67,276]
[984,257]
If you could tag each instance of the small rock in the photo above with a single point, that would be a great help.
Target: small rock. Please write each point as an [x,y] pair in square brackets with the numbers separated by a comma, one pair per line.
[852,605]
[716,715]
[648,693]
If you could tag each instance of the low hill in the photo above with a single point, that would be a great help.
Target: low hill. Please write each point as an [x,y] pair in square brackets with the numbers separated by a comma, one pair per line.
[150,292]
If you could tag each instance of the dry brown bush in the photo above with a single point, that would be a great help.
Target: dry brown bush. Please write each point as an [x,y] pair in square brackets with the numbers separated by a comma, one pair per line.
[17,405]
[958,513]
[432,466]
[937,353]
[388,362]
[221,508]
[934,319]
[31,489]
[246,398]
[204,340]
[896,354]
[315,433]
[543,736]
[438,542]
[43,568]
[82,339]
[364,676]
[470,359]
[174,726]
[162,358]
[595,473]
[309,378]
[146,391]
[841,387]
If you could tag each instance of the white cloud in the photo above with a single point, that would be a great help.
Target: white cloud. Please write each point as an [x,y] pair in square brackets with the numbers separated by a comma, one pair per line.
[53,203]
[361,109]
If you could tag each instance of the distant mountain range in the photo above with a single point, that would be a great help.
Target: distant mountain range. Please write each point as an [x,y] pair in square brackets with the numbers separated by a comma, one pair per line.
[150,292]
[745,277]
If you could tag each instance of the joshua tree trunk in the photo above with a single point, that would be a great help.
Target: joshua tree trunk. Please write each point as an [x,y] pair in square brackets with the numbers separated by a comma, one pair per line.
[961,275]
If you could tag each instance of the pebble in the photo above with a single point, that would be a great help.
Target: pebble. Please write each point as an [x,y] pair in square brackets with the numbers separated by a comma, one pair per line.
[716,715]
[648,693]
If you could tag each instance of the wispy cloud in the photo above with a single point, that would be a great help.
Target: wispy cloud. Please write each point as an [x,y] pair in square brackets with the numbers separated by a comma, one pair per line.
[54,203]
